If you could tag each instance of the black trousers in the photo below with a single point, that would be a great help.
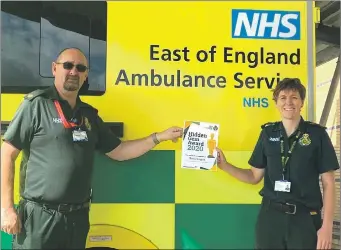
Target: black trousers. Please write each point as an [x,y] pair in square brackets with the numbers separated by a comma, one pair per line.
[44,228]
[276,229]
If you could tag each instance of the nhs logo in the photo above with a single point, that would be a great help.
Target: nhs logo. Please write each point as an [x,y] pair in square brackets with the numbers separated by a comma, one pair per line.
[266,24]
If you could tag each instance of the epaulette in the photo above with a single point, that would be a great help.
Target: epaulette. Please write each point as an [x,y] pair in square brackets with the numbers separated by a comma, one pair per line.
[269,124]
[315,124]
[33,94]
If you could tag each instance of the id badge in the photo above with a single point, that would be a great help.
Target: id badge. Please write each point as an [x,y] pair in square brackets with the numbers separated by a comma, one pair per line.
[282,186]
[79,135]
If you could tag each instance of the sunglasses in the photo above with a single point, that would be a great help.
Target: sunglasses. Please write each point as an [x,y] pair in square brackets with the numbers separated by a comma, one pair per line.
[70,65]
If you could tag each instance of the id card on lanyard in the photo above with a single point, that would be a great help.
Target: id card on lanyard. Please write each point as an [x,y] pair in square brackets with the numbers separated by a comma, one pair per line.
[77,135]
[285,185]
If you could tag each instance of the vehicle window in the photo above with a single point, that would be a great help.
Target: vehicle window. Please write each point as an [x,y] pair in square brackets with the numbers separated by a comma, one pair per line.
[53,38]
[19,45]
[33,33]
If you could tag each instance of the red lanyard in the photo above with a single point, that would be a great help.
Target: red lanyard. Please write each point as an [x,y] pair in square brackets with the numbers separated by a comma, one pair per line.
[62,117]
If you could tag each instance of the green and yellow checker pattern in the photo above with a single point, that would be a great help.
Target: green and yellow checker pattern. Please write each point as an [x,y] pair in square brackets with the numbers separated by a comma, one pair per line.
[168,207]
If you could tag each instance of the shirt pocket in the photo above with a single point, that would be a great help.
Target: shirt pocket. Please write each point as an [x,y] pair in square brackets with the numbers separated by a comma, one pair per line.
[89,129]
[274,163]
[305,159]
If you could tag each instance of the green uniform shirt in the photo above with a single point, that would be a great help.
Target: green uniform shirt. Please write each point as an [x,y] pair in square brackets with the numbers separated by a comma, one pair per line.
[313,155]
[54,168]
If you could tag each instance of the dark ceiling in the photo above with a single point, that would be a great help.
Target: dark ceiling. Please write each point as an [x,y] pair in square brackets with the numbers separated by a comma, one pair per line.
[328,31]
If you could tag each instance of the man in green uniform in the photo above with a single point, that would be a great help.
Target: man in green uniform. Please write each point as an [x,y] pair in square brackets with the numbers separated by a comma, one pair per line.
[58,135]
[291,155]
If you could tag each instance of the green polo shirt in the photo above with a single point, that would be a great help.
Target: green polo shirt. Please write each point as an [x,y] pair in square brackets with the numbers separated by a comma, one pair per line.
[55,168]
[313,155]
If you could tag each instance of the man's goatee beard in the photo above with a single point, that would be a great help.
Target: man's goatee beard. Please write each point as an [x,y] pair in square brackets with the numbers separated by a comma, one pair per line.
[71,86]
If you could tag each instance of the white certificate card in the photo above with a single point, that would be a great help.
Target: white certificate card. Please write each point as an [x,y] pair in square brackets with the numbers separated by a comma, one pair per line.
[198,145]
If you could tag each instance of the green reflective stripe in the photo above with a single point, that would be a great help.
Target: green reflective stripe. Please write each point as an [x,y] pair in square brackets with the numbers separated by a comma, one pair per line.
[221,226]
[187,242]
[6,241]
[147,179]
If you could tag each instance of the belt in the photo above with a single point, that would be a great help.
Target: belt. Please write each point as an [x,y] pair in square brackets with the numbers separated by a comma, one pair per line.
[62,208]
[289,208]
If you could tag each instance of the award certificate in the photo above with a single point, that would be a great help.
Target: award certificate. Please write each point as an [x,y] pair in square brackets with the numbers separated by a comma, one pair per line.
[198,145]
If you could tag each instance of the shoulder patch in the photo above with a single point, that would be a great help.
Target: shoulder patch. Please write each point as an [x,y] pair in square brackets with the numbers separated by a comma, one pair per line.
[315,124]
[34,94]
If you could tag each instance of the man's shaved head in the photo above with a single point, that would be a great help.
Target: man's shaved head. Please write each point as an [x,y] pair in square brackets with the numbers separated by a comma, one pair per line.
[71,48]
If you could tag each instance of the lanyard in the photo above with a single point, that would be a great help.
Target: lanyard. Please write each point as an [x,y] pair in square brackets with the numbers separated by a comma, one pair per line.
[62,117]
[284,158]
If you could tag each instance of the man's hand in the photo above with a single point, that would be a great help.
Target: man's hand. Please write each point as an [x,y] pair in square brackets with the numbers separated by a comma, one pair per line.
[324,238]
[10,221]
[172,133]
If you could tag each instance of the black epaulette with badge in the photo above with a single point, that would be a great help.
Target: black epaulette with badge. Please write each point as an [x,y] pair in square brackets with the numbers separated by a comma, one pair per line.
[267,124]
[309,123]
[270,125]
[34,94]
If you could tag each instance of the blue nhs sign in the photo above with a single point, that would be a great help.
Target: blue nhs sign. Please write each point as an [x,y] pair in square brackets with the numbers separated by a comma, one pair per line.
[266,24]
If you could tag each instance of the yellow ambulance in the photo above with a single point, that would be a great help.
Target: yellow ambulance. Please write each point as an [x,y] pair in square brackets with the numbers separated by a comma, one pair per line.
[158,64]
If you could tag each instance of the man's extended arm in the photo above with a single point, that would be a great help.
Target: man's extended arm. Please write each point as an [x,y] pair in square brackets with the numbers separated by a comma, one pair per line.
[135,148]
